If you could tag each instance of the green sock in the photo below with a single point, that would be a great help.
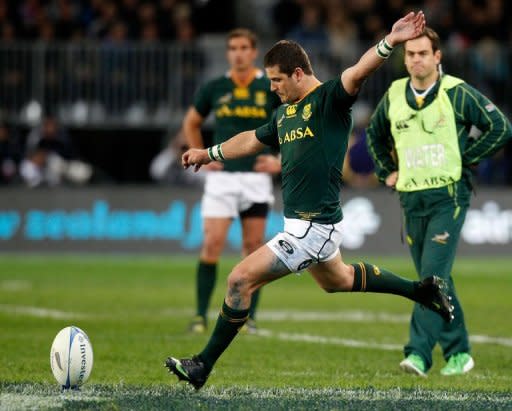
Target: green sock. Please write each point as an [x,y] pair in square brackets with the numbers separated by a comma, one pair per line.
[206,278]
[228,324]
[254,303]
[370,278]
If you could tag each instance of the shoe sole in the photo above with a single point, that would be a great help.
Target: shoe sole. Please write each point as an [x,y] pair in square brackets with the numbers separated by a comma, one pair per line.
[467,368]
[444,301]
[409,368]
[174,366]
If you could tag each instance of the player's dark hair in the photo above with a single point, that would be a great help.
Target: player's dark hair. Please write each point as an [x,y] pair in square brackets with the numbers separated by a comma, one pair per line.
[288,56]
[433,37]
[241,32]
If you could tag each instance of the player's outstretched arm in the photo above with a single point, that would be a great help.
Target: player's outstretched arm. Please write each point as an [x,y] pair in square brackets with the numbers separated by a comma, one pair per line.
[192,128]
[407,28]
[241,145]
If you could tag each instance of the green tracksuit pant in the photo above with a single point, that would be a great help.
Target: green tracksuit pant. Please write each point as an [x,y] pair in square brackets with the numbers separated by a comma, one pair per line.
[433,242]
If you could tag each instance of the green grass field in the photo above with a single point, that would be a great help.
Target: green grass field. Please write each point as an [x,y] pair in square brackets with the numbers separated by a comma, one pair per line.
[314,350]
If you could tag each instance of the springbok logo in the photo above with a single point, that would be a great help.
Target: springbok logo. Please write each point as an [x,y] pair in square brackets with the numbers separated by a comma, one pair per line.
[441,238]
[306,112]
[260,98]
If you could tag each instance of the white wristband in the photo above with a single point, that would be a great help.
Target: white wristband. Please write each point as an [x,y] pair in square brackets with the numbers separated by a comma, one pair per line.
[383,49]
[215,153]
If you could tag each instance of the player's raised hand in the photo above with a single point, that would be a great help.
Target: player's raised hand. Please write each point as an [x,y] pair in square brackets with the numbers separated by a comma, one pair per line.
[195,157]
[407,28]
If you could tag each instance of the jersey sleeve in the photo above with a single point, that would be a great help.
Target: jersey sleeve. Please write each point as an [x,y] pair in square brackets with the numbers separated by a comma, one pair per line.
[267,133]
[479,111]
[203,100]
[337,94]
[380,140]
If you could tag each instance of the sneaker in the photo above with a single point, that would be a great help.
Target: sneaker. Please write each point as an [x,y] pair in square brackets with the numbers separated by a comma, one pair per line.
[458,364]
[191,370]
[414,364]
[197,325]
[432,294]
[249,327]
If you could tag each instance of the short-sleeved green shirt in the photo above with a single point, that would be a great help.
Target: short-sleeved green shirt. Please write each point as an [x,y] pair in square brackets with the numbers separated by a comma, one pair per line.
[312,137]
[236,109]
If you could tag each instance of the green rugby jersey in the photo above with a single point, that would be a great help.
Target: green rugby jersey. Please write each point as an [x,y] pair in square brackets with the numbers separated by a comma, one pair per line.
[470,108]
[237,108]
[312,137]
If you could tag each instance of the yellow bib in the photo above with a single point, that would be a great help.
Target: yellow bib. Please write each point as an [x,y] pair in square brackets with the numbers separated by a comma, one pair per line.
[426,140]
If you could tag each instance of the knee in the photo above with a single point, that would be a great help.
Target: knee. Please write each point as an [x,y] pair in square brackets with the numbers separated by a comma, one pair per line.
[238,282]
[336,287]
[212,246]
[342,281]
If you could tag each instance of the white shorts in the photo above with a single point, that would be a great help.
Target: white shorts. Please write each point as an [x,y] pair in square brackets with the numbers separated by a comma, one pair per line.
[303,243]
[227,194]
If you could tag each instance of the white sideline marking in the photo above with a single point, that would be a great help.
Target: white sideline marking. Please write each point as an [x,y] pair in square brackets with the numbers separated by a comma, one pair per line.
[485,339]
[344,342]
[15,285]
[39,312]
[356,316]
[317,339]
[277,316]
[347,316]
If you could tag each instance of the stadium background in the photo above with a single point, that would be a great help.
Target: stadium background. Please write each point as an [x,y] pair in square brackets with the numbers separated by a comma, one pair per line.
[116,77]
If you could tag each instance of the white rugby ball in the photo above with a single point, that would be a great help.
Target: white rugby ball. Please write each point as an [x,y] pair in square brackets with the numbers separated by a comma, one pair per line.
[71,357]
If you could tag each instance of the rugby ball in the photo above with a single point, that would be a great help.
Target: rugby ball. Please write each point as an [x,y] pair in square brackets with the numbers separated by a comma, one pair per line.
[71,357]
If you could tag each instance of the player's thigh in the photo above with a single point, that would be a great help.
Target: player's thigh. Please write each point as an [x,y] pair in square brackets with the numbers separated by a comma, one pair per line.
[333,275]
[257,269]
[253,222]
[441,240]
[303,243]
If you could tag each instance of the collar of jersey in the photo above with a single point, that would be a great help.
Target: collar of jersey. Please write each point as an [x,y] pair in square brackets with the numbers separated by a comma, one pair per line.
[247,81]
[307,94]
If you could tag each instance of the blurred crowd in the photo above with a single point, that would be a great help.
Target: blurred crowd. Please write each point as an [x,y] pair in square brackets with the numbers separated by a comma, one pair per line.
[338,30]
[322,23]
[105,20]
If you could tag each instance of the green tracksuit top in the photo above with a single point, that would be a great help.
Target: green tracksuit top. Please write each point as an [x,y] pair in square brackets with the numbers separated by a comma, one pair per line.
[470,108]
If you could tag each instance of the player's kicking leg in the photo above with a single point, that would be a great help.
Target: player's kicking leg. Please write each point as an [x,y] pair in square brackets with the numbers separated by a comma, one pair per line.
[254,271]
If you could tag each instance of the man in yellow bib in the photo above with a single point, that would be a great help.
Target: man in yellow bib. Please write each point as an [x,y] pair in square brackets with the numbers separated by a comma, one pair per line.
[420,142]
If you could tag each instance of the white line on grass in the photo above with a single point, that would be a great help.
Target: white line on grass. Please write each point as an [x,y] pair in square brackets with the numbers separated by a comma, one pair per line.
[318,339]
[485,339]
[15,285]
[357,316]
[39,312]
[279,316]
[347,316]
